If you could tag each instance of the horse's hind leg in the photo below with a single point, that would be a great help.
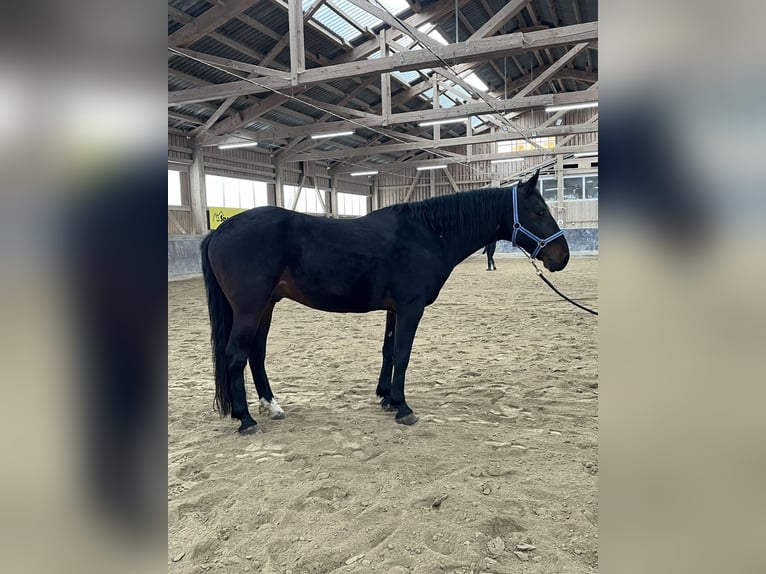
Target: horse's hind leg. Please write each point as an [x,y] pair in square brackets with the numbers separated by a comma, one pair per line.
[242,332]
[386,370]
[257,358]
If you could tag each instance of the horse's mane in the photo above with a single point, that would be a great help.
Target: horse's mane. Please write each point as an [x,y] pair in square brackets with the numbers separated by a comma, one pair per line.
[466,212]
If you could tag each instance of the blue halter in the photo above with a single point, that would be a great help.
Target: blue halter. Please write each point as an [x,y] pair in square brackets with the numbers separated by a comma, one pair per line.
[517,226]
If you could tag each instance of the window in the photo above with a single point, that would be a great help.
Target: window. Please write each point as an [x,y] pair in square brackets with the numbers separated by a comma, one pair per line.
[573,188]
[233,192]
[524,145]
[308,202]
[352,204]
[591,187]
[576,187]
[548,189]
[174,187]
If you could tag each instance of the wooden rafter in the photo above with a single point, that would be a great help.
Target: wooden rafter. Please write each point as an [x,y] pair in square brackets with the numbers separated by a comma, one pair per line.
[465,51]
[477,108]
[588,127]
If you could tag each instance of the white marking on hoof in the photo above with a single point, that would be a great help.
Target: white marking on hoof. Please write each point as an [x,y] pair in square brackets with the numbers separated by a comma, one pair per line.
[275,411]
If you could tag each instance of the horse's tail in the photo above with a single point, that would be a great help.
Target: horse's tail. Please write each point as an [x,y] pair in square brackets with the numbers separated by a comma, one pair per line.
[221,318]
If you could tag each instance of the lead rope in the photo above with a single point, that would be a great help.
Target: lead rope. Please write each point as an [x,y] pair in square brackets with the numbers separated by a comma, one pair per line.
[559,293]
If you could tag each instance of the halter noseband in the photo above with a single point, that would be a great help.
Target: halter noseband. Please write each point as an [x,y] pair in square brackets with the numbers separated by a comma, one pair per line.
[517,226]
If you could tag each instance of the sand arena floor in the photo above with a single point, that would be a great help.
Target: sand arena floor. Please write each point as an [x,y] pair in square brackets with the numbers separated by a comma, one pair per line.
[499,475]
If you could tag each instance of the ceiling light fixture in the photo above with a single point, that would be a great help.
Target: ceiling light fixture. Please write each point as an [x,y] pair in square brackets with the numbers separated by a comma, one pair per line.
[425,167]
[586,154]
[571,107]
[364,173]
[440,122]
[332,135]
[506,160]
[233,145]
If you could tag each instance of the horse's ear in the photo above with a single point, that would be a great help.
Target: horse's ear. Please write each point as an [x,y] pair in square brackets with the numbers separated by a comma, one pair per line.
[531,184]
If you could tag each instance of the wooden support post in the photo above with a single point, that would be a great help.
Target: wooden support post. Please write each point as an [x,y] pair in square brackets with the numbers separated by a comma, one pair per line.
[560,188]
[432,179]
[279,193]
[197,195]
[435,94]
[297,50]
[385,83]
[468,134]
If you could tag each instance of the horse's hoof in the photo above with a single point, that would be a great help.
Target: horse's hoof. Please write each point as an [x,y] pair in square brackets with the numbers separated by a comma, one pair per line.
[249,429]
[408,420]
[385,404]
[277,416]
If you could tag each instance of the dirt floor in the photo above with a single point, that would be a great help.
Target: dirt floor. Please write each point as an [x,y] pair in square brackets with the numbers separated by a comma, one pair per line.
[499,475]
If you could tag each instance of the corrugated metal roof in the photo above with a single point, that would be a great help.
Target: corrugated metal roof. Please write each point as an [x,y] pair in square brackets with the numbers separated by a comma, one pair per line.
[272,15]
[192,7]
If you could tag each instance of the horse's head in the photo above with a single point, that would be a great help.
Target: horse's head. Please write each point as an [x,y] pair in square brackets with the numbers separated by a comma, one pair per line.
[530,225]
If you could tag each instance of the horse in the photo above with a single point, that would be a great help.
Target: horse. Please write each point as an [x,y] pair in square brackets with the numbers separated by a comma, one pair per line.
[395,259]
[489,249]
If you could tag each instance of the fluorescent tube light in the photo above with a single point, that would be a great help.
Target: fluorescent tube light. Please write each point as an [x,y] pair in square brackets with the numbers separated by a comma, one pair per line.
[430,167]
[233,145]
[505,160]
[586,154]
[440,122]
[364,173]
[332,135]
[571,107]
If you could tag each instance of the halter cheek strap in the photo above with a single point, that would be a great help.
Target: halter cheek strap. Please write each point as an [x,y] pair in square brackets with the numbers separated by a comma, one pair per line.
[517,226]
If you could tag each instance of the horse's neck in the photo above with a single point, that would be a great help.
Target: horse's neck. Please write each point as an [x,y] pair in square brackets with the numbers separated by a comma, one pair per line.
[461,245]
[460,241]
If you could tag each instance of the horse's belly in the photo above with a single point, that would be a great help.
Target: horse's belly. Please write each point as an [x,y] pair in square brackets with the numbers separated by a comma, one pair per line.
[333,298]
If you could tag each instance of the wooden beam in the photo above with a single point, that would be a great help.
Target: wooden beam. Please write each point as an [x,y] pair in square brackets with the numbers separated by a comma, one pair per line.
[552,69]
[482,49]
[232,64]
[451,180]
[209,21]
[412,187]
[361,87]
[480,157]
[589,127]
[499,19]
[477,108]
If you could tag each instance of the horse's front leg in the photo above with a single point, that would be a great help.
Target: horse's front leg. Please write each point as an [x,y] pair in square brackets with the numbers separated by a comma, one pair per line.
[407,320]
[387,369]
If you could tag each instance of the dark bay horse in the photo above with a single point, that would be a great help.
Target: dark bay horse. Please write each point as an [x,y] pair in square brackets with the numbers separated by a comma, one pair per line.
[395,259]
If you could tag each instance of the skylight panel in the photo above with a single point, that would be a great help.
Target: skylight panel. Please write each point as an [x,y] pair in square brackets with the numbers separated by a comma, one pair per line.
[438,37]
[339,26]
[474,80]
[407,77]
[355,13]
[307,4]
[396,7]
[445,102]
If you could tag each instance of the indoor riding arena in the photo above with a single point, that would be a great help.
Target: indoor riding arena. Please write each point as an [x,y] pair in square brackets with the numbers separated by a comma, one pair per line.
[381,128]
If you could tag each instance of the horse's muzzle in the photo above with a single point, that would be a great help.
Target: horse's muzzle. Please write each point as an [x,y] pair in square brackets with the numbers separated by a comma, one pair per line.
[555,256]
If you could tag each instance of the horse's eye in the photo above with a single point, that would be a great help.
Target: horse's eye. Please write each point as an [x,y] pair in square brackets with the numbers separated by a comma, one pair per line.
[540,213]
